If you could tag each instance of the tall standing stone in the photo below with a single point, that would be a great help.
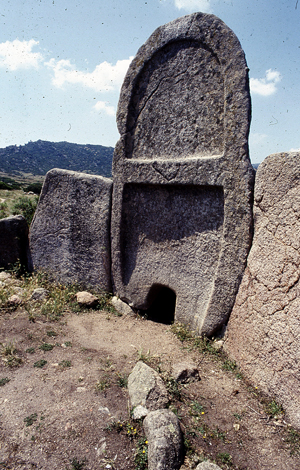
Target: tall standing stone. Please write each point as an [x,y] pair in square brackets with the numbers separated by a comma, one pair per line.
[263,333]
[181,214]
[70,232]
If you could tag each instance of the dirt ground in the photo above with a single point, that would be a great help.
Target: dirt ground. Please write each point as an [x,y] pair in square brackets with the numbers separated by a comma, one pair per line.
[73,412]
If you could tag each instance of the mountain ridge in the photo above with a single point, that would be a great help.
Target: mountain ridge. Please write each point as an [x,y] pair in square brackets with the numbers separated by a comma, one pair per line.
[41,156]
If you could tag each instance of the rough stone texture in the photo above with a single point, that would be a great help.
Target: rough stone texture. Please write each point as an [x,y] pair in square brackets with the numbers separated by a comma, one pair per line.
[207,466]
[86,299]
[146,388]
[185,372]
[70,232]
[218,344]
[121,306]
[39,294]
[263,333]
[139,412]
[165,443]
[183,181]
[14,300]
[14,245]
[19,291]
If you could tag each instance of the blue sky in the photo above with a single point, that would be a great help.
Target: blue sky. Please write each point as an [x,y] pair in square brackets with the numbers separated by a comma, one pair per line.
[62,63]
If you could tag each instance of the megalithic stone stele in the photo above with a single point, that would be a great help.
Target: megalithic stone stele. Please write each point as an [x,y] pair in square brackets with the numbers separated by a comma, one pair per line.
[183,182]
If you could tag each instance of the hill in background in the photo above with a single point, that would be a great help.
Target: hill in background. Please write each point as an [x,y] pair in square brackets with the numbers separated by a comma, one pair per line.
[39,157]
[36,158]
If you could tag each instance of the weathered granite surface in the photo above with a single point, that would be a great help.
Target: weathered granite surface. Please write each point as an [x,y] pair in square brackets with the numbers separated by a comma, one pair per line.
[165,448]
[208,466]
[185,372]
[70,232]
[183,181]
[120,306]
[14,244]
[146,388]
[263,333]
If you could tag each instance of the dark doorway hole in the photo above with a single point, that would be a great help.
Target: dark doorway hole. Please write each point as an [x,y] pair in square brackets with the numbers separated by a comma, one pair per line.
[162,302]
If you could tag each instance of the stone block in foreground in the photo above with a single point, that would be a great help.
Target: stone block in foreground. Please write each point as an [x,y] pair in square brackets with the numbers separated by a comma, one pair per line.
[182,214]
[263,333]
[70,232]
[165,448]
[146,388]
[14,243]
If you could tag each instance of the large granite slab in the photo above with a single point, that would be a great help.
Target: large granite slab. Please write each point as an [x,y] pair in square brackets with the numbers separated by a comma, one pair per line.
[14,244]
[70,232]
[263,333]
[183,182]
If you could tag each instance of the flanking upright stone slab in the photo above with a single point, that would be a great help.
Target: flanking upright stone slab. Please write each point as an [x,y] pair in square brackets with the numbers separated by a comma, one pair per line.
[14,244]
[70,232]
[183,181]
[263,333]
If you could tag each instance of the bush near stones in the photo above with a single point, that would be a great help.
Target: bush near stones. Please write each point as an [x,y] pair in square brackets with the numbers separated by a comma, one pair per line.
[36,188]
[26,207]
[4,212]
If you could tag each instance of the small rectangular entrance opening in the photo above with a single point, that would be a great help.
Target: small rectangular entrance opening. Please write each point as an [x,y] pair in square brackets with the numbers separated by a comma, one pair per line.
[162,302]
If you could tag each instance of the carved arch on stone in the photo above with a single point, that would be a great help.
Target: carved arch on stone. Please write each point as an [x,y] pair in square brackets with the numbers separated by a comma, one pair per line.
[209,165]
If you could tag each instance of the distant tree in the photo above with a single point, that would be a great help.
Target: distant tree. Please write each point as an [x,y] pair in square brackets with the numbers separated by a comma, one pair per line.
[36,188]
[5,186]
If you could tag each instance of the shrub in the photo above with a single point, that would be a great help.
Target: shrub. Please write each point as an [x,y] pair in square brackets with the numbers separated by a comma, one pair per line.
[36,188]
[9,184]
[25,207]
[5,186]
[3,210]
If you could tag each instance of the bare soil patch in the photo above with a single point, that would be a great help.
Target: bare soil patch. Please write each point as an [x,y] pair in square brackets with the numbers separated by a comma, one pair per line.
[73,412]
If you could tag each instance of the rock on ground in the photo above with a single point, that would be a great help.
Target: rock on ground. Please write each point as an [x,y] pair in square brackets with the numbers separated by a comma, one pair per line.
[207,466]
[139,412]
[185,372]
[86,299]
[146,388]
[14,300]
[121,306]
[165,442]
[263,333]
[40,293]
[4,276]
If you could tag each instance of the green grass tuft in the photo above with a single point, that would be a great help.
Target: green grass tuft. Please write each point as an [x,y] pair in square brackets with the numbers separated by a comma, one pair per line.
[46,347]
[141,456]
[29,420]
[4,381]
[41,363]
